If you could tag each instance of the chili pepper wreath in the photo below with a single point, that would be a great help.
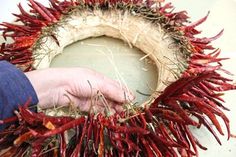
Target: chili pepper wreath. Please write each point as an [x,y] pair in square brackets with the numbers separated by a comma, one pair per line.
[188,94]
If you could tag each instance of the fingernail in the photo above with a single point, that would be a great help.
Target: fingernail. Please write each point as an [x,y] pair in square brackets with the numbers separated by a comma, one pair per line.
[131,97]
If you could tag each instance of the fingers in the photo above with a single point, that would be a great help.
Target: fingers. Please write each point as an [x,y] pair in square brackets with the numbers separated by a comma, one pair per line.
[87,83]
[110,88]
[116,92]
[95,105]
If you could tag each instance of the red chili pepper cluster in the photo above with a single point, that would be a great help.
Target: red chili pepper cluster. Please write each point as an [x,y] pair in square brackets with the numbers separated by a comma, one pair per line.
[25,35]
[161,129]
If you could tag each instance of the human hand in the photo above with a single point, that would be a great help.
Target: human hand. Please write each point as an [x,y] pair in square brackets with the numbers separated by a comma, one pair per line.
[82,87]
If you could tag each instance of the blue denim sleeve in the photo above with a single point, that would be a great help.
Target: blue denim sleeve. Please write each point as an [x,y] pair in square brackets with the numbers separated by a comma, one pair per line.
[15,89]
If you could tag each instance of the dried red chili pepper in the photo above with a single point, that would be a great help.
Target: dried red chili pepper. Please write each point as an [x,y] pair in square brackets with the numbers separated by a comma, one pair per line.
[208,126]
[22,138]
[101,143]
[62,144]
[177,135]
[42,12]
[55,6]
[78,147]
[71,124]
[8,120]
[46,11]
[122,129]
[167,114]
[37,147]
[147,148]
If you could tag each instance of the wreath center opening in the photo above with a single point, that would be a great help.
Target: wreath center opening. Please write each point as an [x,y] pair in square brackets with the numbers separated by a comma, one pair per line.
[115,59]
